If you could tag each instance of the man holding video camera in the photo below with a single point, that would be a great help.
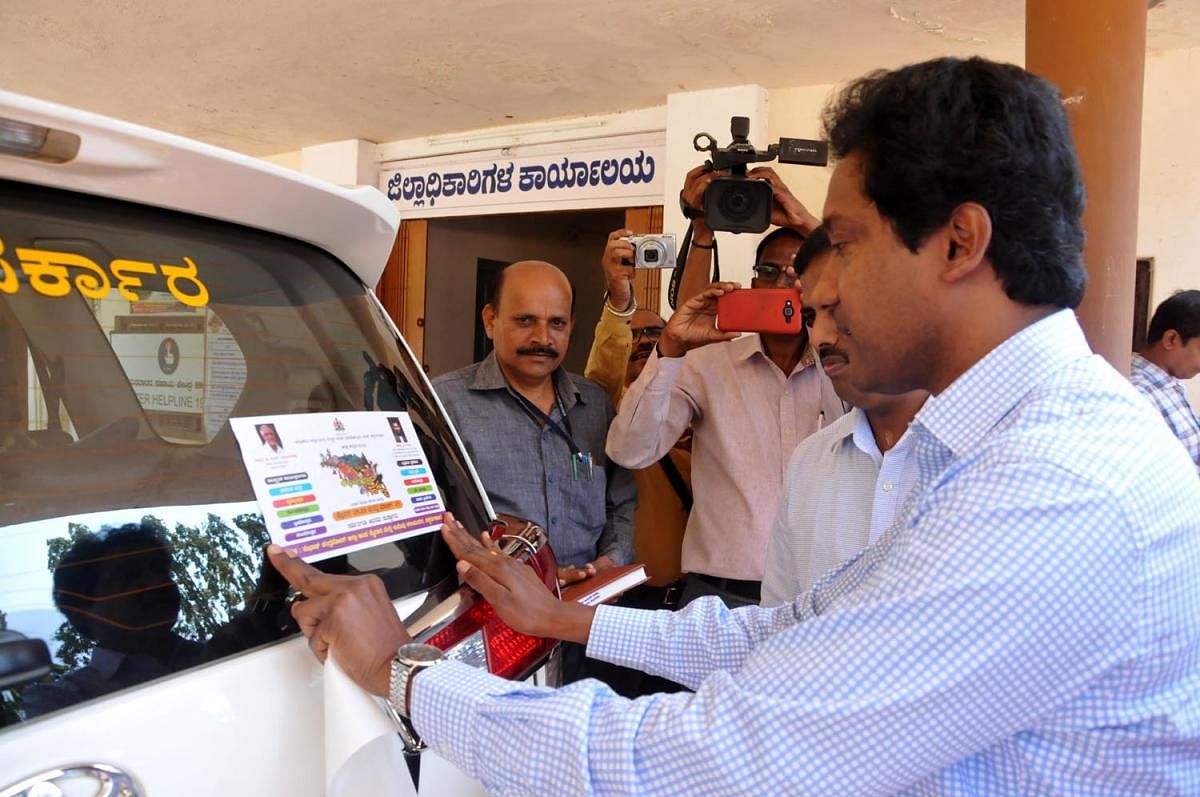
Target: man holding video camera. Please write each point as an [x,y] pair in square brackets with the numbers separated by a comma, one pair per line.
[750,401]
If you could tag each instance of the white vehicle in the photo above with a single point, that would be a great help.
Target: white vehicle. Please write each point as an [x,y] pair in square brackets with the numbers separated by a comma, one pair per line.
[151,288]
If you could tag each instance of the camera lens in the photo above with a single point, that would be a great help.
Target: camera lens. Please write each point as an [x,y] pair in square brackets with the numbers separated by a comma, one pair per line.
[736,204]
[650,255]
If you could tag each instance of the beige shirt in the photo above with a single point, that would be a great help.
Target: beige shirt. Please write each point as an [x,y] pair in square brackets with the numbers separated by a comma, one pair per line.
[747,417]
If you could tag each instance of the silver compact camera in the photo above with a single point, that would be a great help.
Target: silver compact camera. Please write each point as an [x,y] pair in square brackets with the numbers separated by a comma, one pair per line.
[653,251]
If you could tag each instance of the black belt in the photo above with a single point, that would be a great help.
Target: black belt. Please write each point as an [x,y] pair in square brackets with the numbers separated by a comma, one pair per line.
[647,596]
[750,590]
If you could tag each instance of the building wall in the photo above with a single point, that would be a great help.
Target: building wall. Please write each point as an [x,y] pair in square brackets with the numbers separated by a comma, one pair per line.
[796,113]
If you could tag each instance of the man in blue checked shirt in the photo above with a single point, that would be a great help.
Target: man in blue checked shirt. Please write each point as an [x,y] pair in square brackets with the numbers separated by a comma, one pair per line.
[1172,353]
[1029,625]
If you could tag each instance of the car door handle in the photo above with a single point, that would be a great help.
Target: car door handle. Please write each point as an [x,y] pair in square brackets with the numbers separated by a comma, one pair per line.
[110,782]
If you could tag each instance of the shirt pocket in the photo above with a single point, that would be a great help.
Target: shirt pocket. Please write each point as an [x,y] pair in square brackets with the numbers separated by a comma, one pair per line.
[587,509]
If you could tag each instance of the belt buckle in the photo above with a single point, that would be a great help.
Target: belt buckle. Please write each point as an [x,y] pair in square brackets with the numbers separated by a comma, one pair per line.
[671,595]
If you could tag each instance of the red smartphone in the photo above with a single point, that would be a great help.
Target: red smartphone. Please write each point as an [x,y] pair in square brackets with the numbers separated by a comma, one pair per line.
[772,310]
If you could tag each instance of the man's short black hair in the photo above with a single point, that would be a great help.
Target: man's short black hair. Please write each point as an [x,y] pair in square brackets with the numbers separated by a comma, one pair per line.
[1180,312]
[771,237]
[498,285]
[814,246]
[937,134]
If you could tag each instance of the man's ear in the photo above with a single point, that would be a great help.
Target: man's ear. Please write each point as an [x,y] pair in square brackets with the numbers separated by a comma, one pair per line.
[1171,340]
[489,320]
[966,237]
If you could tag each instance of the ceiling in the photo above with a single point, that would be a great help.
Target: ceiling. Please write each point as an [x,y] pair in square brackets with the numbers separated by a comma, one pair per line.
[270,76]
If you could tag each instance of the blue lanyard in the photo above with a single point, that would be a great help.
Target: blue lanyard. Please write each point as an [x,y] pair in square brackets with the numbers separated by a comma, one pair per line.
[538,415]
[581,462]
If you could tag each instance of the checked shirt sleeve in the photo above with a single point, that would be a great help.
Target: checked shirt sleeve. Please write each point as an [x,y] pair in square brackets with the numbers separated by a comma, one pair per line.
[936,644]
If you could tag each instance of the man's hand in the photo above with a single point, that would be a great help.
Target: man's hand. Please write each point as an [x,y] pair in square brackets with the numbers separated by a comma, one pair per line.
[617,262]
[694,323]
[513,589]
[350,616]
[786,210]
[571,575]
[692,195]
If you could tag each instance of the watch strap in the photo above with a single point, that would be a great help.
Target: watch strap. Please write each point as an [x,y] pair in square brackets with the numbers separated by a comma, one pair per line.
[400,680]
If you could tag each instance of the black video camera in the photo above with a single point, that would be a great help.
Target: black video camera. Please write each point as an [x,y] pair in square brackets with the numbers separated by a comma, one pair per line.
[737,203]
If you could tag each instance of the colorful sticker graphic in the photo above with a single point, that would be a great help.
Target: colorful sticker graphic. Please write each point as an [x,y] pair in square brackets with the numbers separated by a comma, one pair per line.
[355,470]
[334,482]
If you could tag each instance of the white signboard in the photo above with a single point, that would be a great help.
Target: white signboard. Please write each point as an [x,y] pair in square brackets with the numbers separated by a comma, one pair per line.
[166,369]
[333,482]
[622,175]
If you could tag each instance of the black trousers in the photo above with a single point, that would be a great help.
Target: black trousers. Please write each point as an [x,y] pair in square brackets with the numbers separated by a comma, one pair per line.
[624,681]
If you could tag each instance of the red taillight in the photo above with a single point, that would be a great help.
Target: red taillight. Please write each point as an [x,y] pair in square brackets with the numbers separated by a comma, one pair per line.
[509,654]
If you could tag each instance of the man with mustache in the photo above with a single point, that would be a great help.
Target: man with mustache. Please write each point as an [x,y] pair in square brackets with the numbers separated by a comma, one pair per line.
[863,458]
[1029,624]
[535,432]
[749,402]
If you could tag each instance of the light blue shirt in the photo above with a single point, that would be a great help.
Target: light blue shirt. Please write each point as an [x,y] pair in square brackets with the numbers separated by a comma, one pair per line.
[841,493]
[1030,625]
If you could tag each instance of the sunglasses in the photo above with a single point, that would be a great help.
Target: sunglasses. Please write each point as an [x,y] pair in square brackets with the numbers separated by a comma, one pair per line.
[650,333]
[767,272]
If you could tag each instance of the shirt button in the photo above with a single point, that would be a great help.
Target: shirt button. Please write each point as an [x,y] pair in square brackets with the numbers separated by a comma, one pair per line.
[550,478]
[887,487]
[554,521]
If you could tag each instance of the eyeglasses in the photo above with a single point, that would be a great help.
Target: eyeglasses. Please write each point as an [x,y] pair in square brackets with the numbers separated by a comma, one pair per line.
[767,272]
[651,333]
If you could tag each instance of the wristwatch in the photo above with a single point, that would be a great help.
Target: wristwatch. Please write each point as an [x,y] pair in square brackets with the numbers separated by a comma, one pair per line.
[410,659]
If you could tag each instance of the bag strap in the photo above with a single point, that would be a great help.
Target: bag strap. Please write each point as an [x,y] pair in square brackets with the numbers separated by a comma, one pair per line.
[681,263]
[677,481]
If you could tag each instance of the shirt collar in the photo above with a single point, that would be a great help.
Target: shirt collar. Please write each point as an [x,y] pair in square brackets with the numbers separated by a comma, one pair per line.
[864,437]
[488,376]
[1152,371]
[975,402]
[747,346]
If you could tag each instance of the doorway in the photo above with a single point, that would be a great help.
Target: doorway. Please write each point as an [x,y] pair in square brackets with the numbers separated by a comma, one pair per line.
[487,272]
[456,287]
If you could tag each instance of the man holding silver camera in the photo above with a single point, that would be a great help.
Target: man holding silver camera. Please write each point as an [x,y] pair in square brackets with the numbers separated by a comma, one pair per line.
[750,401]
[625,337]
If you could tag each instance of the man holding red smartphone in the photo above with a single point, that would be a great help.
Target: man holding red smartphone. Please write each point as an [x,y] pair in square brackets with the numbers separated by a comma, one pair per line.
[750,401]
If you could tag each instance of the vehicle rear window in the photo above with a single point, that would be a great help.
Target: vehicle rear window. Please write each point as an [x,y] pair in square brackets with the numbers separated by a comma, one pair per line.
[130,540]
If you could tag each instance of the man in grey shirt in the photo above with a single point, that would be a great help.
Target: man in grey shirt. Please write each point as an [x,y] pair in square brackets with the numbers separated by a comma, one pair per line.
[536,433]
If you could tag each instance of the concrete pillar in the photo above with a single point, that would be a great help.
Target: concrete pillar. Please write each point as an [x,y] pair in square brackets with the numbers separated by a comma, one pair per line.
[692,112]
[1095,51]
[349,162]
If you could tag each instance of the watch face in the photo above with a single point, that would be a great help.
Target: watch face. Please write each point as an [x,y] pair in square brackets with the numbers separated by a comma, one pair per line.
[415,653]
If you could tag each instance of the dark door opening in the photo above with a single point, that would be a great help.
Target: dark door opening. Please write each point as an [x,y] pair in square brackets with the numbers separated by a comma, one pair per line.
[486,273]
